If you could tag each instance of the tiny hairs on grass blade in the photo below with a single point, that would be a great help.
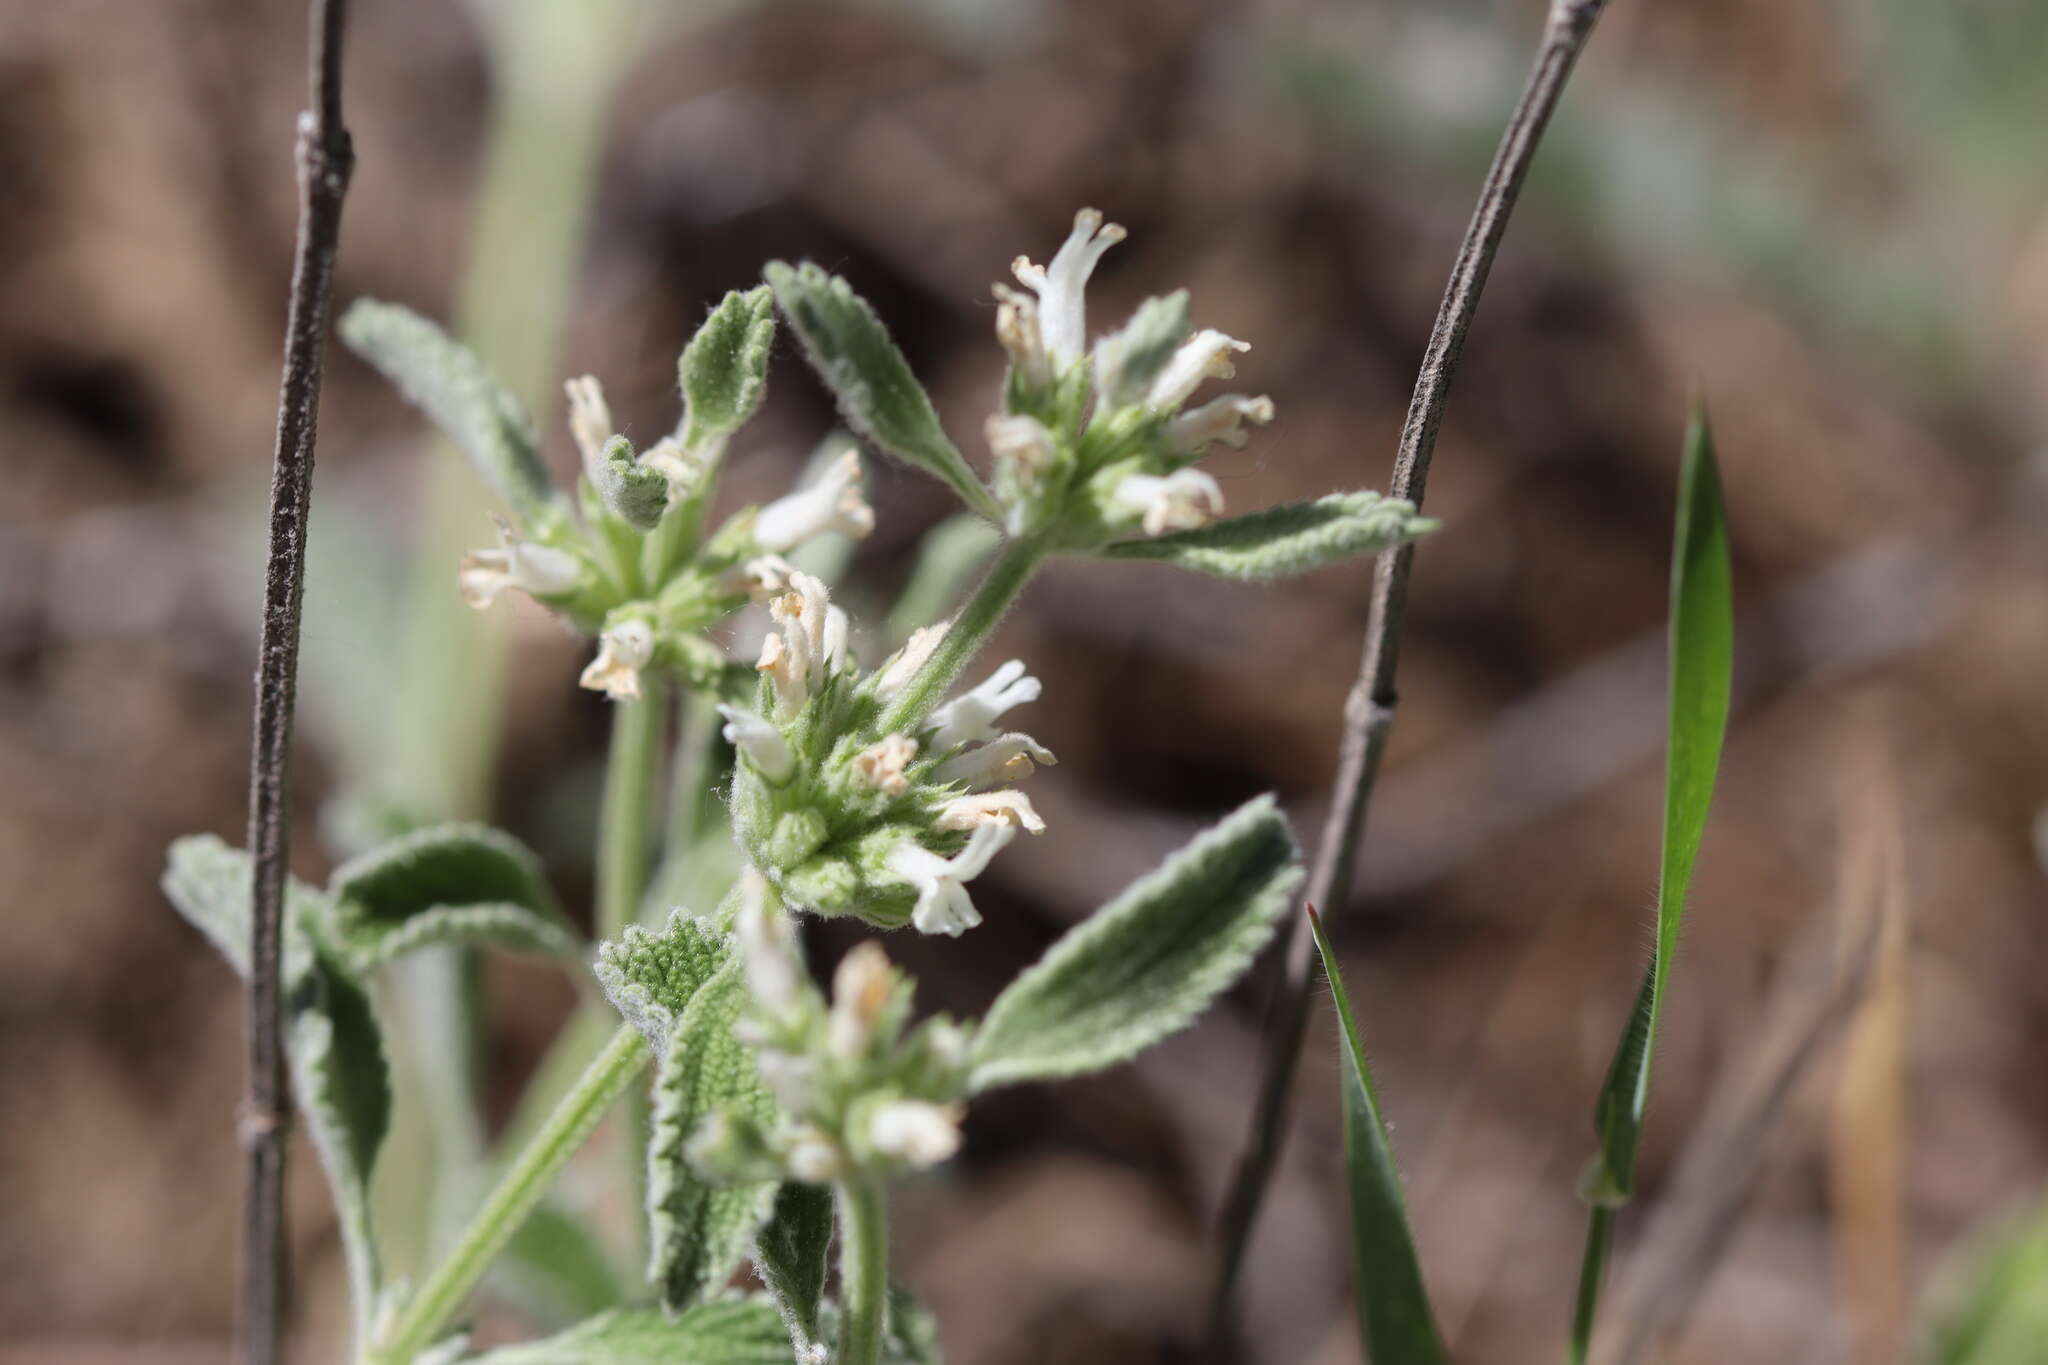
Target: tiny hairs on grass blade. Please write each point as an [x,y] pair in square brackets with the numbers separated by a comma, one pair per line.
[1702,650]
[1394,1317]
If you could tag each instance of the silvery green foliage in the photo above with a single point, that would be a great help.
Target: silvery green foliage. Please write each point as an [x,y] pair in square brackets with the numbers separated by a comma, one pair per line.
[862,1093]
[724,369]
[447,381]
[331,1037]
[1290,539]
[448,884]
[739,1331]
[846,818]
[683,990]
[629,558]
[878,395]
[699,1230]
[791,1254]
[1147,963]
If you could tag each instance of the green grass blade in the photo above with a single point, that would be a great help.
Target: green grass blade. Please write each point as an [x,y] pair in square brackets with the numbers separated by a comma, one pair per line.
[1702,650]
[1393,1307]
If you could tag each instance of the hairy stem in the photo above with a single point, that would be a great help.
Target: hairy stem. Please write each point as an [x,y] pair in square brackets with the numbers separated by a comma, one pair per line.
[863,1271]
[526,1179]
[1369,711]
[965,635]
[325,160]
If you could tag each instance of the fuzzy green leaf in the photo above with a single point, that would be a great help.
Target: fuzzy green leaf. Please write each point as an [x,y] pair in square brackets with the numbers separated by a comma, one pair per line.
[335,1048]
[1147,963]
[1126,362]
[1702,652]
[652,977]
[446,380]
[728,1332]
[448,884]
[699,1231]
[1394,1317]
[912,1335]
[790,1253]
[878,395]
[1289,539]
[724,369]
[634,493]
[1989,1308]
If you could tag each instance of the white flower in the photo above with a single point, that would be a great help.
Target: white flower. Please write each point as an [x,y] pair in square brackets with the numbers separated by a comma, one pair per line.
[1006,758]
[1062,313]
[1017,330]
[683,469]
[965,719]
[1023,440]
[590,422]
[1220,419]
[517,563]
[860,992]
[760,743]
[943,905]
[791,1079]
[833,503]
[1206,355]
[761,578]
[882,767]
[766,946]
[812,641]
[623,650]
[915,1131]
[902,666]
[814,1158]
[951,1044]
[1006,807]
[1181,501]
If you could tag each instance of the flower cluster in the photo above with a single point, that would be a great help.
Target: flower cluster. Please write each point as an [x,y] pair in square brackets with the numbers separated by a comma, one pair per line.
[859,1089]
[1093,447]
[846,818]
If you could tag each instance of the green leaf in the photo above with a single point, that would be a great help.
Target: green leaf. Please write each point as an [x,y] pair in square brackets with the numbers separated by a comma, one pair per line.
[1127,362]
[699,1231]
[652,977]
[724,369]
[336,1050]
[447,884]
[1150,961]
[1289,539]
[791,1255]
[1394,1317]
[912,1335]
[878,395]
[636,494]
[1702,650]
[446,380]
[556,1267]
[728,1332]
[1993,1308]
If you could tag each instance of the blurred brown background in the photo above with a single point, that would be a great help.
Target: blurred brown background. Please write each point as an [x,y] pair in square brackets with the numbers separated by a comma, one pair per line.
[1829,219]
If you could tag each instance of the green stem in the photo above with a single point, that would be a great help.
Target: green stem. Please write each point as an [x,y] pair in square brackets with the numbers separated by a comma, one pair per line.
[508,1205]
[966,635]
[625,836]
[863,1271]
[1598,1230]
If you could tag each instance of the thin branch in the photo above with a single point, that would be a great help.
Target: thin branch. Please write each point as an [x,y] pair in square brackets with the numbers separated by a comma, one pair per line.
[325,160]
[1369,711]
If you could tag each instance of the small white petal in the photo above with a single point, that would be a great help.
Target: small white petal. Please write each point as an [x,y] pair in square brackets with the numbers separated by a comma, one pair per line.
[623,650]
[896,674]
[1204,356]
[1017,329]
[1220,419]
[814,1158]
[766,946]
[760,743]
[1180,501]
[861,988]
[538,570]
[882,767]
[965,719]
[1008,806]
[1022,440]
[683,469]
[762,578]
[915,1131]
[1061,287]
[590,422]
[833,503]
[943,905]
[1006,758]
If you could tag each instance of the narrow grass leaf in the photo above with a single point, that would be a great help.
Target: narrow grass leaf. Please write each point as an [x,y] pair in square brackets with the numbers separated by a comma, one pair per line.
[1394,1316]
[1702,650]
[1147,963]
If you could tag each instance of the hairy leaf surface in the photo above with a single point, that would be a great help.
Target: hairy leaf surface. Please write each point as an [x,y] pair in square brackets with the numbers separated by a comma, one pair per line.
[449,884]
[724,369]
[728,1332]
[1292,538]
